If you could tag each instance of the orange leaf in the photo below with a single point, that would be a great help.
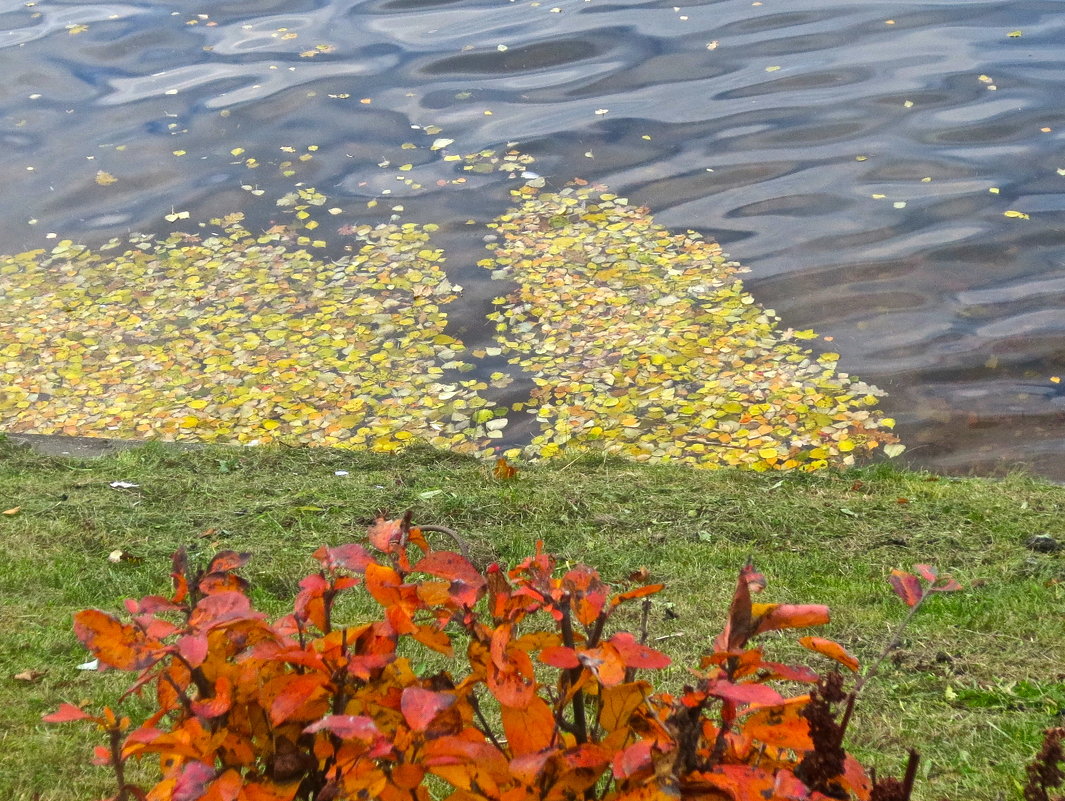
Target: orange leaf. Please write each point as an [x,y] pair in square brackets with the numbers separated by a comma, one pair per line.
[407,776]
[383,584]
[224,561]
[528,729]
[226,787]
[504,470]
[605,662]
[292,696]
[114,643]
[432,637]
[771,617]
[831,649]
[617,703]
[514,684]
[637,592]
[781,726]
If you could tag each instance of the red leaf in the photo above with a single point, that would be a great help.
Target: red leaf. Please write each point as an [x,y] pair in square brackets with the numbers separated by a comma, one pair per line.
[950,586]
[228,560]
[452,567]
[633,759]
[746,693]
[351,557]
[193,781]
[101,755]
[386,535]
[347,727]
[833,650]
[115,644]
[638,656]
[907,586]
[420,706]
[193,649]
[927,572]
[220,608]
[65,713]
[560,656]
[739,626]
[219,703]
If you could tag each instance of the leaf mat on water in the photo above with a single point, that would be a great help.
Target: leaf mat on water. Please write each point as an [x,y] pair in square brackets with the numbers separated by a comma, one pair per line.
[236,337]
[639,341]
[644,341]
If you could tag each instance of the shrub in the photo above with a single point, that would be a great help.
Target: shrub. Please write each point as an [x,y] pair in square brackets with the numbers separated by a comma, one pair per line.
[549,703]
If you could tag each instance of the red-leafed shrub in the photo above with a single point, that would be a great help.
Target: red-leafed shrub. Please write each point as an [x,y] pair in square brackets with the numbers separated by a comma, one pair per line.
[544,702]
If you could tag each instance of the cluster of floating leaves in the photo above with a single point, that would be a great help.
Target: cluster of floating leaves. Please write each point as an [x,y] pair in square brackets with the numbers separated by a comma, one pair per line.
[643,342]
[639,341]
[238,337]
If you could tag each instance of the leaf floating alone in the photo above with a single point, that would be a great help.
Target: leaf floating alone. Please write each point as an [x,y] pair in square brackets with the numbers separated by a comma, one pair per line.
[1017,215]
[104,178]
[894,449]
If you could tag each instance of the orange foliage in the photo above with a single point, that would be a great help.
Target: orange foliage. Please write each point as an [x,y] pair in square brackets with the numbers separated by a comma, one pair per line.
[304,708]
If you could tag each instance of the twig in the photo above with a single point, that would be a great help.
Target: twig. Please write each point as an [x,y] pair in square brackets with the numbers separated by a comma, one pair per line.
[464,548]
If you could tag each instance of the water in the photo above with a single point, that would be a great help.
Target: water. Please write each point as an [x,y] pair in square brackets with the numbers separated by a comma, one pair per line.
[857,156]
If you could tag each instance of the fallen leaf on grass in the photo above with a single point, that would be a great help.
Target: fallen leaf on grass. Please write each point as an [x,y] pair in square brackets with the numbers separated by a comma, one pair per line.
[30,676]
[14,510]
[118,555]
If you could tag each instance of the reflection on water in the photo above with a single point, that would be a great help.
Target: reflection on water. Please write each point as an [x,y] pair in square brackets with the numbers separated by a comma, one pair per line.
[858,156]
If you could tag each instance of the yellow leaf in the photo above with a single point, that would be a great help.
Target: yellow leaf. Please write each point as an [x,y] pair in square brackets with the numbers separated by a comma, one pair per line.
[1019,215]
[270,425]
[105,178]
[14,510]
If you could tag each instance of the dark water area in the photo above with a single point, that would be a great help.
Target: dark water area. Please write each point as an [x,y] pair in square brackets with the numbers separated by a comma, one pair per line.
[858,157]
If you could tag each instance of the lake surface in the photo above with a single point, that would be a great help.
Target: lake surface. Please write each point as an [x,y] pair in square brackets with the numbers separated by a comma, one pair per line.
[859,157]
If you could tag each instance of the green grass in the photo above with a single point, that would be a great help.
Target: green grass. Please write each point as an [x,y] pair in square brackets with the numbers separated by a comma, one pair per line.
[978,675]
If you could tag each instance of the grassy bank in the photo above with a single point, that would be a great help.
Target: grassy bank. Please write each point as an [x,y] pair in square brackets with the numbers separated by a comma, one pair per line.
[978,675]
